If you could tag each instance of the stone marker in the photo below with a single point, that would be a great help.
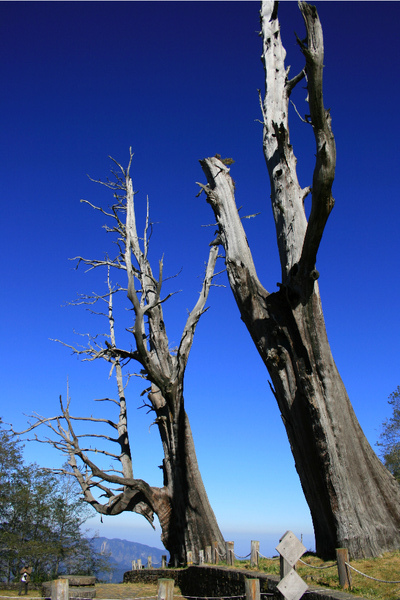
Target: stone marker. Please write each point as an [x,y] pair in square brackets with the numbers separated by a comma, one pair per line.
[291,586]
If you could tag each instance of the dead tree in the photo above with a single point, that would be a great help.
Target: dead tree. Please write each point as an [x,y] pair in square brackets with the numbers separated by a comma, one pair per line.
[354,501]
[181,503]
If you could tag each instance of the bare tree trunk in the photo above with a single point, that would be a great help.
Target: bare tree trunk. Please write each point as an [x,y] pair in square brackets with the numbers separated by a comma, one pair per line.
[187,520]
[353,499]
[186,517]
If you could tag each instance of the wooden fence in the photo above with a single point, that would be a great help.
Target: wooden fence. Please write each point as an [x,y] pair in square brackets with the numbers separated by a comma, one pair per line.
[211,555]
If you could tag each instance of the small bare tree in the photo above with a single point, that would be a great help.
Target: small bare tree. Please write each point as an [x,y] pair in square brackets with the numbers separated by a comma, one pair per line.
[181,503]
[353,499]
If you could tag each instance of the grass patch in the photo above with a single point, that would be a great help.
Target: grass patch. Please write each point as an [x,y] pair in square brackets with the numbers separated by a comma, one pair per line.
[386,567]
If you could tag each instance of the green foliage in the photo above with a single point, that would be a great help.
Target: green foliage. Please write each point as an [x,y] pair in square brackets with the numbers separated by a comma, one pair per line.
[390,436]
[41,517]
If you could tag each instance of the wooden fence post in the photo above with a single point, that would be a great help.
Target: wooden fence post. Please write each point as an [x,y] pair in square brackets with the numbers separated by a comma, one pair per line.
[60,589]
[230,557]
[252,587]
[165,589]
[215,553]
[149,563]
[255,549]
[164,561]
[208,556]
[342,556]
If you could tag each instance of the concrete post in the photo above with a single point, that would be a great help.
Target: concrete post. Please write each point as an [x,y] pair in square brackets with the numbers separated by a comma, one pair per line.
[165,590]
[255,549]
[230,557]
[215,557]
[252,587]
[60,589]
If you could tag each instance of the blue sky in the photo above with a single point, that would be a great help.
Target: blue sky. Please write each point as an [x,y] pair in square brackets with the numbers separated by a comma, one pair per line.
[178,81]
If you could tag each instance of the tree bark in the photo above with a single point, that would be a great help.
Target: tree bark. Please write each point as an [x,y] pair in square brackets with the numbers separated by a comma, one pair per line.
[186,517]
[353,499]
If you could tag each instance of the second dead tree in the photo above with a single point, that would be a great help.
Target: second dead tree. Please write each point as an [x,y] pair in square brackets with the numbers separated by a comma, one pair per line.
[354,501]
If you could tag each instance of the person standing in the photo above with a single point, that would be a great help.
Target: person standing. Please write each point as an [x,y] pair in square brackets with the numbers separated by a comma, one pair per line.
[25,573]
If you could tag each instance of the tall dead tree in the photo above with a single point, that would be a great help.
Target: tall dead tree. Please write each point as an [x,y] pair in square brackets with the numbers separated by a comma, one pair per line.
[181,503]
[354,501]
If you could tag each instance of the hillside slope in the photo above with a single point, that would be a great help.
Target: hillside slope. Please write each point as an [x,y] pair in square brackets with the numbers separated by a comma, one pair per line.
[123,552]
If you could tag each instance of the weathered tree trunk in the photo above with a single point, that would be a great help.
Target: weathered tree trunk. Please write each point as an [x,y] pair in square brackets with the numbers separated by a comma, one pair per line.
[353,499]
[187,520]
[186,517]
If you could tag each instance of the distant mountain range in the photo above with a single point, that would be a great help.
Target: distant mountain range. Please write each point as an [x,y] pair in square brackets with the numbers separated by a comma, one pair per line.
[122,553]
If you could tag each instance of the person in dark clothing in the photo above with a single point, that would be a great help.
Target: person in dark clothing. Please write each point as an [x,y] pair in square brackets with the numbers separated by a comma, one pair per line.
[25,573]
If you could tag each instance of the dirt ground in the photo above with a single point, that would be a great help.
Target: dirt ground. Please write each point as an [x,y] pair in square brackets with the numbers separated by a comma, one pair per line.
[125,590]
[14,594]
[104,591]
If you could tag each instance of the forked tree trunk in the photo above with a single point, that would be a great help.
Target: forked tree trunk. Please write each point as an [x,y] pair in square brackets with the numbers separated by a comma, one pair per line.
[354,501]
[187,520]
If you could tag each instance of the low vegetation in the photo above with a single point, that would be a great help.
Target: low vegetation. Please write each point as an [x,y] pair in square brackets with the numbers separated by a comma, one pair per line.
[385,568]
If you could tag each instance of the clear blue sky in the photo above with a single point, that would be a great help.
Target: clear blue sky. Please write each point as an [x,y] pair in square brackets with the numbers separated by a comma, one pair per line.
[178,81]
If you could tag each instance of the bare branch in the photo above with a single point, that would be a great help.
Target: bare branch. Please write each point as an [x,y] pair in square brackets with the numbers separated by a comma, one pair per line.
[304,120]
[106,400]
[95,420]
[288,209]
[199,308]
[220,195]
[99,450]
[135,492]
[291,84]
[97,207]
[94,264]
[324,172]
